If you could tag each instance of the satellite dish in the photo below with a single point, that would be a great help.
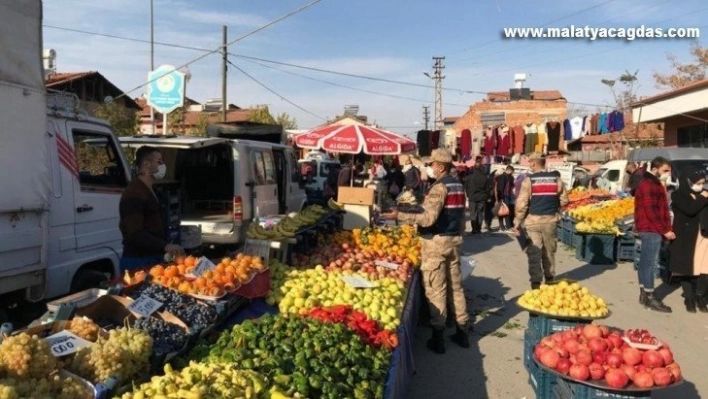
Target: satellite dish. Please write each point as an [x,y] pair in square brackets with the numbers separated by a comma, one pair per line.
[108,100]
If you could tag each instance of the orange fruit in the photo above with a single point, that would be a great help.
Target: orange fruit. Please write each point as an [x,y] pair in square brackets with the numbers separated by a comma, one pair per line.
[225,260]
[171,271]
[184,286]
[190,261]
[228,277]
[179,260]
[157,271]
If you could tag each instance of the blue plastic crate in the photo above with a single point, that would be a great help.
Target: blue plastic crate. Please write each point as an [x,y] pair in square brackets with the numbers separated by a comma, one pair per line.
[567,237]
[541,381]
[596,249]
[564,389]
[541,326]
[559,232]
[529,343]
[624,251]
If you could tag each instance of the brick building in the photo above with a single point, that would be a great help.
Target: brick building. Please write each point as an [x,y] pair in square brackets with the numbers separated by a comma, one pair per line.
[512,108]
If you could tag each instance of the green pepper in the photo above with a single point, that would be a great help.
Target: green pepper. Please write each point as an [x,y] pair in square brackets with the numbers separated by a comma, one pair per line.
[246,364]
[315,382]
[283,380]
[363,374]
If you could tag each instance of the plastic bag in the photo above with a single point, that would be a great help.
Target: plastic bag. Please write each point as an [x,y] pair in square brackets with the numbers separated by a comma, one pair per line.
[467,264]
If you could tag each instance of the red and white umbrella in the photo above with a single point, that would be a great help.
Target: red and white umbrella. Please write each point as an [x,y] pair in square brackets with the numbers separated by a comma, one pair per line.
[353,139]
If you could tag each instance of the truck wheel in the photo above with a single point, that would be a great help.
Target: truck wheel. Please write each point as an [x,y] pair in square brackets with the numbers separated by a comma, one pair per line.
[86,279]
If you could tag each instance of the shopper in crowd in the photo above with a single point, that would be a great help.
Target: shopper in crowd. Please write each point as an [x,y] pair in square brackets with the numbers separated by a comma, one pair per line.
[331,186]
[633,175]
[504,193]
[653,224]
[141,225]
[440,232]
[489,206]
[537,210]
[396,181]
[477,190]
[412,179]
[689,251]
[346,173]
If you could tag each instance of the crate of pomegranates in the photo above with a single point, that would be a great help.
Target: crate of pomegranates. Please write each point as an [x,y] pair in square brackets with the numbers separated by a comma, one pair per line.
[607,362]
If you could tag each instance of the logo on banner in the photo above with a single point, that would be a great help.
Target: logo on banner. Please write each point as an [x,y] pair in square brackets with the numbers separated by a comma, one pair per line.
[382,148]
[344,139]
[341,146]
[376,141]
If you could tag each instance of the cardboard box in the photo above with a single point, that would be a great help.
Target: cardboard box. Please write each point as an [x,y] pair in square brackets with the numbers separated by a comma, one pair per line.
[355,196]
[356,216]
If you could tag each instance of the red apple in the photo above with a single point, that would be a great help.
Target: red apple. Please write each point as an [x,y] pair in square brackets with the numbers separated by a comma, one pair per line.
[563,366]
[550,359]
[652,359]
[572,346]
[616,378]
[599,357]
[583,357]
[597,372]
[632,356]
[597,345]
[614,360]
[579,372]
[643,379]
[662,376]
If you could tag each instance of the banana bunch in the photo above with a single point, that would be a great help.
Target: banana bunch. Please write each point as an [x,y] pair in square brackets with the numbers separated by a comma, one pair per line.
[334,205]
[257,232]
[288,225]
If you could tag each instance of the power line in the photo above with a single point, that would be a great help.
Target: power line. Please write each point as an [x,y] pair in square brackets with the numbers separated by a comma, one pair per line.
[274,92]
[545,24]
[219,49]
[350,87]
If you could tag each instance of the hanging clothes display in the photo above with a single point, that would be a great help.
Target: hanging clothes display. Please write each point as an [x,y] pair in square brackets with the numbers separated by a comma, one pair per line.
[615,121]
[576,128]
[435,140]
[477,143]
[593,123]
[531,134]
[517,139]
[567,130]
[424,143]
[504,142]
[465,142]
[553,130]
[602,124]
[587,122]
[542,140]
[489,142]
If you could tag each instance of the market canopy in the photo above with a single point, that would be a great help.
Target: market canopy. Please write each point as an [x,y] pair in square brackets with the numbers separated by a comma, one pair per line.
[353,139]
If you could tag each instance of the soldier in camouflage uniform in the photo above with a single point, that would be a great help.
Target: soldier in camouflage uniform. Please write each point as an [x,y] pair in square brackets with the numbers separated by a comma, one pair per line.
[541,196]
[440,228]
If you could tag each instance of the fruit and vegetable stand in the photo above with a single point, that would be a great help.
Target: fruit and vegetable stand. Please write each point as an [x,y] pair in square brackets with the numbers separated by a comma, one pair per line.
[568,355]
[341,327]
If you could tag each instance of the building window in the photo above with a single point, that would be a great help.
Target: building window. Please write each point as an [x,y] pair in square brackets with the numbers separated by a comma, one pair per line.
[695,136]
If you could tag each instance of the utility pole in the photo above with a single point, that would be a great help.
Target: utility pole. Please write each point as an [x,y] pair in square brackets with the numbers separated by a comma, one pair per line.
[426,115]
[224,59]
[152,62]
[438,77]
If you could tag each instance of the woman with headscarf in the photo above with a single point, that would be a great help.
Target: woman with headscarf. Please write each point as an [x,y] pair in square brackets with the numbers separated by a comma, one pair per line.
[689,252]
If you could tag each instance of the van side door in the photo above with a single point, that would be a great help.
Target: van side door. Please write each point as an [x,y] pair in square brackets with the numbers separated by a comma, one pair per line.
[102,175]
[265,188]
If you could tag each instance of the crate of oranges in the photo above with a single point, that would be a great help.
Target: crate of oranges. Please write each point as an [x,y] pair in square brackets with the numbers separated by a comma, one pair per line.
[227,275]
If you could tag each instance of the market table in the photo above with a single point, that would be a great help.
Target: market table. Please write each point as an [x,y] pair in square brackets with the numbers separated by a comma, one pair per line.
[402,366]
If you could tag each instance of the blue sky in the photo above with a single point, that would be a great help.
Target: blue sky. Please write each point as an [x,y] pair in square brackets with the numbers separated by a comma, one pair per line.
[384,39]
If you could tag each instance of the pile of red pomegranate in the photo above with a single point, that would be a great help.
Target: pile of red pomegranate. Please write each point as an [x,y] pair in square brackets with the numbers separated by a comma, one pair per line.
[594,352]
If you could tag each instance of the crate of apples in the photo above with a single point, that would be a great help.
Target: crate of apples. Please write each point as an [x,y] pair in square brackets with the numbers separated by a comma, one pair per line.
[599,356]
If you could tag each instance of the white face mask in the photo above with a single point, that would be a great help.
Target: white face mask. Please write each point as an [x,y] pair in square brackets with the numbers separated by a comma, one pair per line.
[161,171]
[406,168]
[697,188]
[430,171]
[665,177]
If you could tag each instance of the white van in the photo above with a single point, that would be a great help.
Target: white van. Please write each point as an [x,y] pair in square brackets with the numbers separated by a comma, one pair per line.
[227,183]
[613,172]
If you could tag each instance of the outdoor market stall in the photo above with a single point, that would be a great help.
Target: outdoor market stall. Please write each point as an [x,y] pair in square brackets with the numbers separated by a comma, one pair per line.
[356,296]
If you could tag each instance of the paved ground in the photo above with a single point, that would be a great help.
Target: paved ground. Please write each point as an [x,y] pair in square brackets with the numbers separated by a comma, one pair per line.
[492,367]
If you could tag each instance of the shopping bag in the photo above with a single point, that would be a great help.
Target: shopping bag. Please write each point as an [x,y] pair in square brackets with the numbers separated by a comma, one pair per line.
[467,264]
[394,189]
[500,209]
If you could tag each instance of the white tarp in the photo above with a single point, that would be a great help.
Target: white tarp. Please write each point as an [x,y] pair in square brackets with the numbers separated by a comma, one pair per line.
[24,151]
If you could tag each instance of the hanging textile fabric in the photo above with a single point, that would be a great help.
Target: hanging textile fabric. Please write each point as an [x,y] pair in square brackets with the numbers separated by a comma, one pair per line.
[517,139]
[576,128]
[477,142]
[567,131]
[465,142]
[542,138]
[593,123]
[424,143]
[504,142]
[489,142]
[531,133]
[553,129]
[435,140]
[602,124]
[615,121]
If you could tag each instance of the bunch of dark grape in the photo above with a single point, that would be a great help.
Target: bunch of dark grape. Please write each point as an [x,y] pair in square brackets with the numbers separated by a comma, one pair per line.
[123,354]
[26,356]
[167,337]
[186,308]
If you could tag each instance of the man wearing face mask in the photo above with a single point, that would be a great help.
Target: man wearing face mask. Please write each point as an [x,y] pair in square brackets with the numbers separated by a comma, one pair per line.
[477,188]
[653,224]
[440,229]
[541,196]
[412,180]
[140,220]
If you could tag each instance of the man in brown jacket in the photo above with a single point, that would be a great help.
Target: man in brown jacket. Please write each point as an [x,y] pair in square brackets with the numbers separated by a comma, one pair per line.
[538,207]
[140,220]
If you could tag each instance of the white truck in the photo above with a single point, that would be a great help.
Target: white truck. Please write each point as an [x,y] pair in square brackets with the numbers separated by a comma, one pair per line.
[63,174]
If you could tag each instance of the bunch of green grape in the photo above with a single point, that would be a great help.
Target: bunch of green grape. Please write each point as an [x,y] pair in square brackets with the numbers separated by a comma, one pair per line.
[52,386]
[26,356]
[123,354]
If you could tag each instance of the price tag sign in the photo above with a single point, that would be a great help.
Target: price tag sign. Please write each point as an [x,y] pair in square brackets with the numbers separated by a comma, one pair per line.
[358,282]
[387,265]
[144,306]
[259,248]
[203,265]
[65,343]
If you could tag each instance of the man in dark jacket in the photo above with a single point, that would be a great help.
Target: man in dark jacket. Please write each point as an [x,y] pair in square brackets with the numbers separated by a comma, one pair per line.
[141,224]
[477,189]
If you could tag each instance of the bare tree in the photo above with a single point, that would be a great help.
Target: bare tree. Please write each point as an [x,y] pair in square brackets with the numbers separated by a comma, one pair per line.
[684,74]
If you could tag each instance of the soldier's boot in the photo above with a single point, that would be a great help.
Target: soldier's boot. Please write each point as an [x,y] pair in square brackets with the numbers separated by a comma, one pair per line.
[437,342]
[461,337]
